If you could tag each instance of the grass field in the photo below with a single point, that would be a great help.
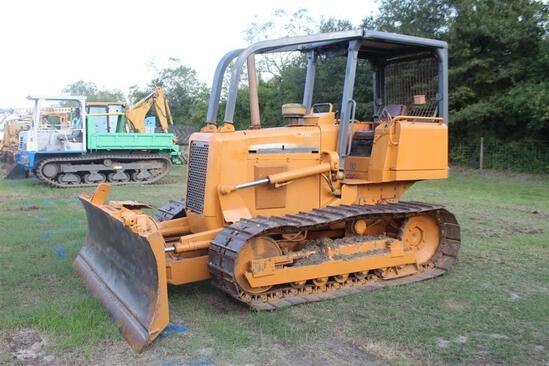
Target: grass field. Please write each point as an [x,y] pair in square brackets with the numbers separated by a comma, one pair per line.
[492,308]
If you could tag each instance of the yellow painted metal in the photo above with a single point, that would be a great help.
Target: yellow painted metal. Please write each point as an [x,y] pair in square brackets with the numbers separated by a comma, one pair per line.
[209,127]
[192,242]
[328,268]
[101,193]
[262,247]
[422,234]
[293,109]
[305,177]
[9,146]
[10,140]
[121,240]
[175,227]
[408,150]
[255,118]
[287,176]
[304,170]
[181,269]
[11,133]
[337,261]
[299,173]
[135,114]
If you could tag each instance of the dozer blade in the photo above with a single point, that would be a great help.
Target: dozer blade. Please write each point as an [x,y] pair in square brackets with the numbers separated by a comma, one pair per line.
[127,273]
[15,171]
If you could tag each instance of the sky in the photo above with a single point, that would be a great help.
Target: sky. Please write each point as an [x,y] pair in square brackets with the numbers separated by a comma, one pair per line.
[46,45]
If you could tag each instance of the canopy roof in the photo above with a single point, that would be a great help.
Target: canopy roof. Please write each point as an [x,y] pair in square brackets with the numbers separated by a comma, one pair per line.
[372,44]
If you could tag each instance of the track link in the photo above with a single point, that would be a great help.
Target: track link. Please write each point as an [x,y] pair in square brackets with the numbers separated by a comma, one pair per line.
[89,159]
[224,251]
[171,210]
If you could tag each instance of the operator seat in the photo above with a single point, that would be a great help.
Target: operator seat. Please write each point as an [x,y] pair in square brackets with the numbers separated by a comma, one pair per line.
[363,140]
[392,110]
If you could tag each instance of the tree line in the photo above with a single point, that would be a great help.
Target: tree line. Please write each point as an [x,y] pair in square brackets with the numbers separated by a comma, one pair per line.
[498,67]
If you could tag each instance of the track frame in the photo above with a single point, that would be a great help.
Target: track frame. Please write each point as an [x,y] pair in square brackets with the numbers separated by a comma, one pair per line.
[224,251]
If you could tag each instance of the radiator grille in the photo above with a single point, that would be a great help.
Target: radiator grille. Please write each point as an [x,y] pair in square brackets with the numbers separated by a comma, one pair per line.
[196,181]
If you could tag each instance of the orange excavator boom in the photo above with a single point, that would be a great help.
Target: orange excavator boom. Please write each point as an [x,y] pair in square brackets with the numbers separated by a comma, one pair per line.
[136,113]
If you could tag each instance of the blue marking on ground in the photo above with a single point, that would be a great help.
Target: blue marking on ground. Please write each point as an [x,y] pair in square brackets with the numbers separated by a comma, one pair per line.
[173,328]
[60,251]
[47,234]
[197,361]
[200,361]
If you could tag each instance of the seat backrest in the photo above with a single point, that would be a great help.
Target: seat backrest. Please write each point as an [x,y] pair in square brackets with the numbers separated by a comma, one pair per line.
[394,110]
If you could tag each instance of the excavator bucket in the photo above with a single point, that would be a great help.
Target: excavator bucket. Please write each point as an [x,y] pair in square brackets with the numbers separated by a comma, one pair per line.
[15,171]
[126,271]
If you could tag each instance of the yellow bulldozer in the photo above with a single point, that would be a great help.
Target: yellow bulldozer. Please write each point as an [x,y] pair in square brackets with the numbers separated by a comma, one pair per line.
[289,215]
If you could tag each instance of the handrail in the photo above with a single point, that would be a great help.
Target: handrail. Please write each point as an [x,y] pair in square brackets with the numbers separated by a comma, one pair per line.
[351,124]
[417,119]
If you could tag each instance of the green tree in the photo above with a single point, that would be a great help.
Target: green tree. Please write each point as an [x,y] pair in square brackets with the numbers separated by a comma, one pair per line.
[498,53]
[93,93]
[282,77]
[280,24]
[498,69]
[424,18]
[186,94]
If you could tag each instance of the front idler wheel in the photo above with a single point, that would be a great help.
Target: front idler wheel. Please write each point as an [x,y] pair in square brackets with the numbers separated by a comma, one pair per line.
[422,234]
[257,248]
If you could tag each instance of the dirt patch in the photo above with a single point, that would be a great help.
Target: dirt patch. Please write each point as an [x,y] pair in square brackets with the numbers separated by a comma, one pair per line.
[517,229]
[321,246]
[455,304]
[531,231]
[22,208]
[442,343]
[351,354]
[30,348]
[14,196]
[504,228]
[169,180]
[527,211]
[335,352]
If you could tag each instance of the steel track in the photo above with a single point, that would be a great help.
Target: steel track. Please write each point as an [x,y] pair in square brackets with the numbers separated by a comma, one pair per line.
[224,251]
[113,157]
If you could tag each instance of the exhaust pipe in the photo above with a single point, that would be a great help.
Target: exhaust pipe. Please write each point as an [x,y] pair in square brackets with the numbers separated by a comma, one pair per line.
[255,118]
